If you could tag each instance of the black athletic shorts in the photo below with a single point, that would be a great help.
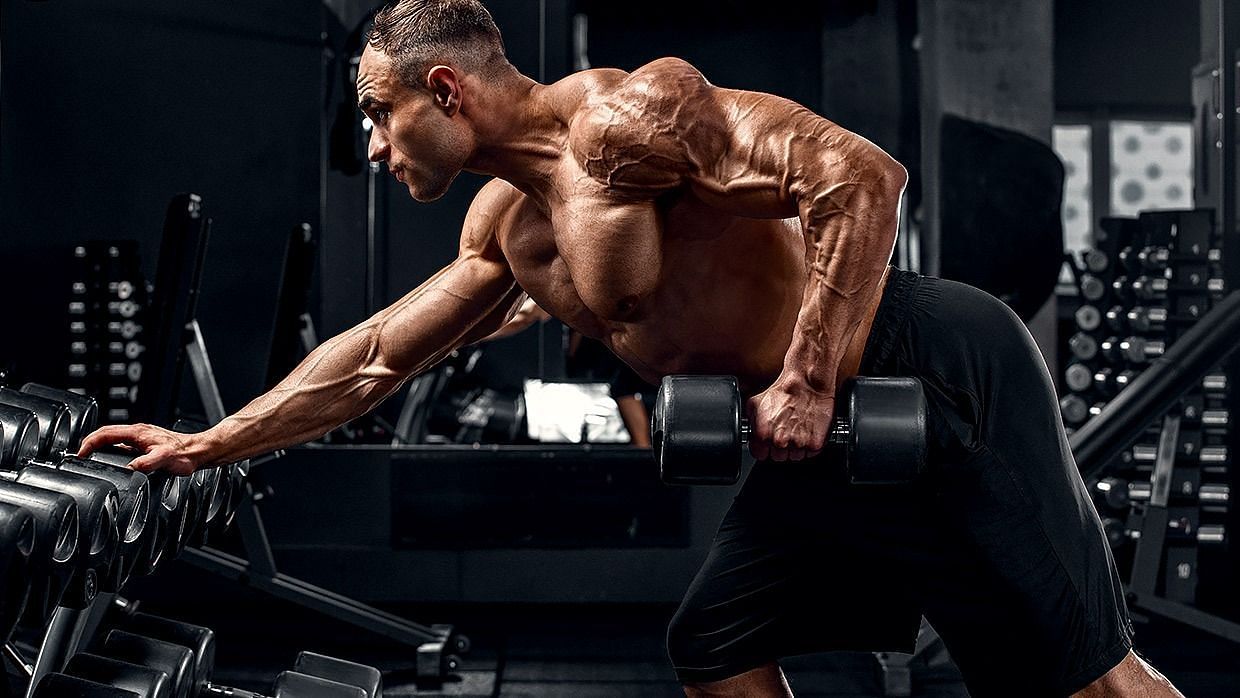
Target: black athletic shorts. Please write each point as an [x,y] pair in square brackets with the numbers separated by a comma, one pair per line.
[997,544]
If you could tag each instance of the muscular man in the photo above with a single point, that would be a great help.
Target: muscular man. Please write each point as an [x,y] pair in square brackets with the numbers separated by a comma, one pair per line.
[692,228]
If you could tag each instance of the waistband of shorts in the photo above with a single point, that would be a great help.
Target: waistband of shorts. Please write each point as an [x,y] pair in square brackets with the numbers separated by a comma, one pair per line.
[889,319]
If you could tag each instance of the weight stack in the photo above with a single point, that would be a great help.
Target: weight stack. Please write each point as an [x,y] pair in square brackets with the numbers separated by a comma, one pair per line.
[107,310]
[1146,281]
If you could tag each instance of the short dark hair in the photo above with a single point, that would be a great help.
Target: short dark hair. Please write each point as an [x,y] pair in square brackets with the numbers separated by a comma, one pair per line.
[417,34]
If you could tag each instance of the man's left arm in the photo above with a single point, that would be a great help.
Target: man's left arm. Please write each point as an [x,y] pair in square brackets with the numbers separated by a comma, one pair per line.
[759,155]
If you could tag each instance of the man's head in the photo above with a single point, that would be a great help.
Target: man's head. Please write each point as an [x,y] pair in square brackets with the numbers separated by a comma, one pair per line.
[410,85]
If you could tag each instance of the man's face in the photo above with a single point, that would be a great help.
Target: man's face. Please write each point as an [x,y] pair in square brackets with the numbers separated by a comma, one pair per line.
[421,141]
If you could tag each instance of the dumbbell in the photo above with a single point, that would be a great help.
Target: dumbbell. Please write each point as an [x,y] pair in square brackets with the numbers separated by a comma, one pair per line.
[138,679]
[193,681]
[83,409]
[132,492]
[16,544]
[698,432]
[57,685]
[19,436]
[173,504]
[1088,318]
[135,511]
[53,558]
[97,508]
[201,641]
[55,421]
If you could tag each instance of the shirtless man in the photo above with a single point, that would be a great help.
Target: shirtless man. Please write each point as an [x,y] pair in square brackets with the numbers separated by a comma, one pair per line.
[695,229]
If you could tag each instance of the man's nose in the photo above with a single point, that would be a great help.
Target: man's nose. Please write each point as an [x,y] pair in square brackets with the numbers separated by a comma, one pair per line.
[378,149]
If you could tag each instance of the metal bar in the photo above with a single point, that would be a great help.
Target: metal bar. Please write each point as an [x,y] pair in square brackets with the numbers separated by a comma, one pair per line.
[1184,613]
[204,376]
[303,593]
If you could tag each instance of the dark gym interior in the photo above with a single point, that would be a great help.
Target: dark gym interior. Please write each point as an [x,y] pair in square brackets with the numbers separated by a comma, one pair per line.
[187,210]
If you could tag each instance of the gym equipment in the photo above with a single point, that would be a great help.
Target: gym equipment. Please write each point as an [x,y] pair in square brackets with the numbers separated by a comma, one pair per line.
[83,409]
[172,508]
[65,686]
[198,639]
[97,509]
[19,436]
[52,559]
[367,678]
[55,422]
[175,661]
[17,537]
[190,667]
[177,337]
[134,510]
[139,679]
[697,430]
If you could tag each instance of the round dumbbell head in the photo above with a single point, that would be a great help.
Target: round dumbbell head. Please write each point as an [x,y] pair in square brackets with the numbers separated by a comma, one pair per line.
[97,507]
[696,430]
[83,409]
[55,423]
[887,426]
[63,685]
[52,561]
[198,639]
[291,684]
[1088,318]
[142,680]
[367,678]
[16,544]
[172,659]
[19,436]
[132,487]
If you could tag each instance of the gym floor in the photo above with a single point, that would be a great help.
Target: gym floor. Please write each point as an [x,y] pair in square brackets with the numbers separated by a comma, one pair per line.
[579,651]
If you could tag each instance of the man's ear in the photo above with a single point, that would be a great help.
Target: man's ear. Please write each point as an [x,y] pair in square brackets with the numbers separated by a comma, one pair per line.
[445,85]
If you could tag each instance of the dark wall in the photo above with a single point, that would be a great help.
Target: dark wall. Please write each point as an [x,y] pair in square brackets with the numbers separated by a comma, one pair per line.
[1125,54]
[109,109]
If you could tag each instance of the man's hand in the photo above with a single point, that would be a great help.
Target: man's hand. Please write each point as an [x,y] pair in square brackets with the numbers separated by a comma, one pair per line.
[161,449]
[789,421]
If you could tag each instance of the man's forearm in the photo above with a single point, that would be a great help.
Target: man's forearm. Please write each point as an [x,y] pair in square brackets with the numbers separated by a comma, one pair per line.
[333,385]
[851,228]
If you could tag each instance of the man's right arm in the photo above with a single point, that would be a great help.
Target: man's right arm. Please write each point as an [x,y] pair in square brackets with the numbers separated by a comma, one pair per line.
[351,373]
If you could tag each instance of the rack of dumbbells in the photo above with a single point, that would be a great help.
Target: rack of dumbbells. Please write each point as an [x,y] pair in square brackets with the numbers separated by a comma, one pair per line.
[73,531]
[106,318]
[1146,282]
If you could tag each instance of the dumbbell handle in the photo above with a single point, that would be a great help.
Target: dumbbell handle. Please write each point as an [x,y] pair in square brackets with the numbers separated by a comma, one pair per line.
[840,433]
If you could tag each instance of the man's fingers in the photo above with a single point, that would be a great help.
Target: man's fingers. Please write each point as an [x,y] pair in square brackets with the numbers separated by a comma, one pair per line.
[106,436]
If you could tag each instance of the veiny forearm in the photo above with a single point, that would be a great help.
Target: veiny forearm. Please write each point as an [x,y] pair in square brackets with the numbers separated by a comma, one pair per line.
[349,374]
[850,216]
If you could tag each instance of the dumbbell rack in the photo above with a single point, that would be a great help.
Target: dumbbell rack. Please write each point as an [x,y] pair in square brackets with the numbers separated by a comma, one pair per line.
[1165,499]
[180,339]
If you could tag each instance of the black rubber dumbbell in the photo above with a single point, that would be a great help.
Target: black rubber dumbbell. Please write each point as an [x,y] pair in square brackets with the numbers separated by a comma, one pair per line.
[19,436]
[83,409]
[175,661]
[196,682]
[171,505]
[142,680]
[55,422]
[698,431]
[52,559]
[98,539]
[367,678]
[134,511]
[17,536]
[64,686]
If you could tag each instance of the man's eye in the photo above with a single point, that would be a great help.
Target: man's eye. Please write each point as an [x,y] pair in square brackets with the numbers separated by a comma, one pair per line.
[382,115]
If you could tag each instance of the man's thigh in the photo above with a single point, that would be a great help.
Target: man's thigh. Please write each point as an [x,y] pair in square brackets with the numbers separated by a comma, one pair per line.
[803,562]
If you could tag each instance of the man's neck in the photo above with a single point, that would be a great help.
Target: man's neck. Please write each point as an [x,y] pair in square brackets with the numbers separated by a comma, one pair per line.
[519,136]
